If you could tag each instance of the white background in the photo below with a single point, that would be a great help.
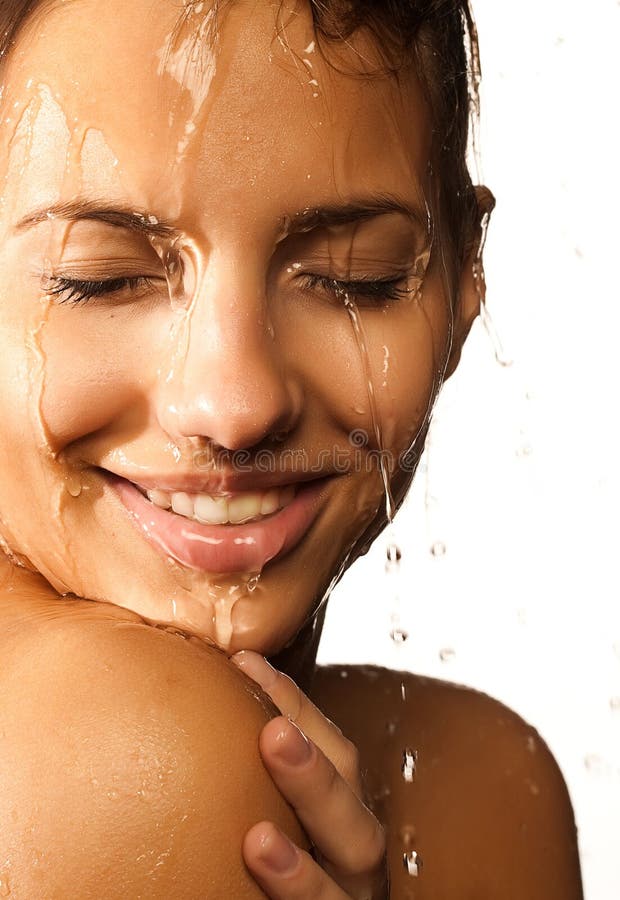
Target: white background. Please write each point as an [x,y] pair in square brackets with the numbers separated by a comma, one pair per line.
[522,482]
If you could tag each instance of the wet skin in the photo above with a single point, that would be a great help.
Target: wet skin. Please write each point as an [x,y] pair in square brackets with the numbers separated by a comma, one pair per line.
[152,390]
[253,351]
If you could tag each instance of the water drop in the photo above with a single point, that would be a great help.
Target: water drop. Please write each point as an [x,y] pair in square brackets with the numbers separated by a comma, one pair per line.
[412,863]
[73,485]
[438,549]
[447,654]
[399,636]
[614,704]
[394,557]
[524,451]
[391,728]
[410,762]
[5,887]
[344,673]
[403,691]
[253,583]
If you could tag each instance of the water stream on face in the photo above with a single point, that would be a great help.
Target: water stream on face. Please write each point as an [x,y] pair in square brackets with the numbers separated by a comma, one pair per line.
[398,634]
[362,346]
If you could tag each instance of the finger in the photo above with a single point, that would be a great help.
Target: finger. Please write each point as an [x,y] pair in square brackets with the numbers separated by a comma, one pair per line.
[294,704]
[340,826]
[284,871]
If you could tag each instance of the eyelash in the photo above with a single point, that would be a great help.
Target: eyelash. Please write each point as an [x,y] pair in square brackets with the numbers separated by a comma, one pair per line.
[368,290]
[76,291]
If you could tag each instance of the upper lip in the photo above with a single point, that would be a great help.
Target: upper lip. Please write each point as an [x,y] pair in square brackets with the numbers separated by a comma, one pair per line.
[221,482]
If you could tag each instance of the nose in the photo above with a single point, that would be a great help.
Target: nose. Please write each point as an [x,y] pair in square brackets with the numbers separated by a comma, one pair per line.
[227,377]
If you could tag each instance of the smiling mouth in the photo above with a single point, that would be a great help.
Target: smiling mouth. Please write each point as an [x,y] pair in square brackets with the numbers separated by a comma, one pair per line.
[222,509]
[223,533]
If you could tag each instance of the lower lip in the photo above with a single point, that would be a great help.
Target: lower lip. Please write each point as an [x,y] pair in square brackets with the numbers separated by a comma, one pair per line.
[222,549]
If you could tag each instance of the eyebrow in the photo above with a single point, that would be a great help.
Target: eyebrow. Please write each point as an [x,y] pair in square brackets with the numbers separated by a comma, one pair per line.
[119,216]
[122,216]
[355,210]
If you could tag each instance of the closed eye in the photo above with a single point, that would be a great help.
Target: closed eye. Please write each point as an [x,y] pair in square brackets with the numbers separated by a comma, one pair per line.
[72,290]
[368,290]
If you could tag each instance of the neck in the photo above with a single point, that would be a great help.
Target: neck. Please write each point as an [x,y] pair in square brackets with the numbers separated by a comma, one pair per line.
[298,659]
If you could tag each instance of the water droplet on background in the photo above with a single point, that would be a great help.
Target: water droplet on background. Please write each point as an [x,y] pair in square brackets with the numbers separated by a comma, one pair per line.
[438,549]
[398,635]
[447,654]
[394,557]
[614,704]
[524,451]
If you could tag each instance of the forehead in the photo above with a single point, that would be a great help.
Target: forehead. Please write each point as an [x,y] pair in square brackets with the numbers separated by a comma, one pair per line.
[239,106]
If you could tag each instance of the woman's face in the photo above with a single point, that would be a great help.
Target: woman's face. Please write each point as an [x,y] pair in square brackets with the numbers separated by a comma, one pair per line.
[177,203]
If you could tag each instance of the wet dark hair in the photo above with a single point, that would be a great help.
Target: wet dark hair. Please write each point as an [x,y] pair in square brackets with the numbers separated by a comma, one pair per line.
[437,36]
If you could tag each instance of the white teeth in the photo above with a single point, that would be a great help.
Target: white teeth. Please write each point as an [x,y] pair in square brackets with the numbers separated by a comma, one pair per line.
[269,503]
[159,498]
[244,507]
[209,510]
[183,504]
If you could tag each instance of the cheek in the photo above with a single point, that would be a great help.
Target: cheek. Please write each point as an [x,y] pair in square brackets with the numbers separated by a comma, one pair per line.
[21,363]
[407,348]
[99,367]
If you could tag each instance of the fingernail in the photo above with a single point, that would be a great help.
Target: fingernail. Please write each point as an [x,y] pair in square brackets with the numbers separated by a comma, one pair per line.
[293,746]
[278,853]
[256,667]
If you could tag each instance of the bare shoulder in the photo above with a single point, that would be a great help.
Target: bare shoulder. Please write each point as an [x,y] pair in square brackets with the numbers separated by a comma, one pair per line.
[487,810]
[129,761]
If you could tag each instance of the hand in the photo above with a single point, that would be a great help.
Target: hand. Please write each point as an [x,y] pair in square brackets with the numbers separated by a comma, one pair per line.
[317,770]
